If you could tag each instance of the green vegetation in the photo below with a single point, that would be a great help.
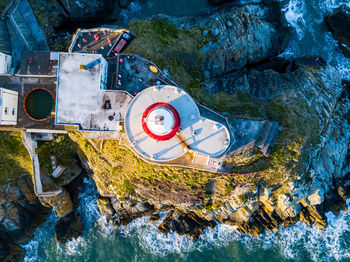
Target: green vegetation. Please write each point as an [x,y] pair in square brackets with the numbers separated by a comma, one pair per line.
[169,47]
[243,198]
[40,13]
[14,158]
[65,152]
[179,51]
[118,171]
[3,4]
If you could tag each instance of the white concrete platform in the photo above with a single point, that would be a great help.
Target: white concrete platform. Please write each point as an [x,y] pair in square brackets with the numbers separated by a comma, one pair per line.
[196,132]
[80,100]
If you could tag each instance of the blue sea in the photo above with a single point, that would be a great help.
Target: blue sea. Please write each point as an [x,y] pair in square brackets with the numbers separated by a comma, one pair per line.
[141,241]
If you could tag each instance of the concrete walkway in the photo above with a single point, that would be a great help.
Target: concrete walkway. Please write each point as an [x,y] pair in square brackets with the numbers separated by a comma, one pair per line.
[31,145]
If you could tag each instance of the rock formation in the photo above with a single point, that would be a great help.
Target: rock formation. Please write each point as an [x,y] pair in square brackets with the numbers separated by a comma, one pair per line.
[20,214]
[339,22]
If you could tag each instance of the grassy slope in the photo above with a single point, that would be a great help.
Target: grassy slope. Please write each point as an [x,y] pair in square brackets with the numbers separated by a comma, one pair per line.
[117,171]
[14,158]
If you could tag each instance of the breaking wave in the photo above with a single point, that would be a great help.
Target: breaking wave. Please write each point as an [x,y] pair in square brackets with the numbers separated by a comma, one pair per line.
[311,36]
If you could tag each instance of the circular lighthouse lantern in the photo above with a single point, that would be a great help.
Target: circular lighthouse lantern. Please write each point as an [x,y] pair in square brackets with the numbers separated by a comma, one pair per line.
[161,121]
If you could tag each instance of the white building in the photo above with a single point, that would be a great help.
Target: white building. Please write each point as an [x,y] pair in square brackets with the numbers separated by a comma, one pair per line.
[8,107]
[163,123]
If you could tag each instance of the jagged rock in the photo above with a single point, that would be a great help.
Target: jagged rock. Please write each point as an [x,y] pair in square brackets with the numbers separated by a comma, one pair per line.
[10,252]
[20,211]
[105,207]
[61,203]
[55,15]
[342,193]
[339,22]
[257,33]
[68,227]
[334,201]
[184,224]
[242,214]
[154,217]
[123,212]
[313,215]
[124,3]
[315,198]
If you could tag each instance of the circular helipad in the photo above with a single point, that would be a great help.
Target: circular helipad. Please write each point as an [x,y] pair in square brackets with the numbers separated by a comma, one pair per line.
[162,123]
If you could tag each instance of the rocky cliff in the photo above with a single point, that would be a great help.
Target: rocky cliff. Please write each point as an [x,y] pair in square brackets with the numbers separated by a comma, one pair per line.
[224,61]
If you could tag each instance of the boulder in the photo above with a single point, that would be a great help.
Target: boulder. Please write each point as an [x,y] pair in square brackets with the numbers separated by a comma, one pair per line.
[130,210]
[339,23]
[21,212]
[154,217]
[257,32]
[68,228]
[62,203]
[9,251]
[105,207]
[184,224]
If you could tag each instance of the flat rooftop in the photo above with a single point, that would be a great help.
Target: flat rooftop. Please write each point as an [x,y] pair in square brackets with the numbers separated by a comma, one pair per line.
[84,40]
[39,63]
[196,133]
[133,74]
[23,85]
[80,100]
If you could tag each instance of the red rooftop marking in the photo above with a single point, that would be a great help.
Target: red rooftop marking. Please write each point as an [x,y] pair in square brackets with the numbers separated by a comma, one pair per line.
[174,130]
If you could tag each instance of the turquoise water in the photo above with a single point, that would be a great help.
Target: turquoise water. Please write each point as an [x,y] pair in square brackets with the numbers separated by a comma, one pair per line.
[141,241]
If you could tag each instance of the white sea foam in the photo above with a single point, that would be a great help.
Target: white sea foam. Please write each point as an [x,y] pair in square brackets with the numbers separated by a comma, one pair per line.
[311,36]
[295,11]
[42,234]
[133,9]
[293,242]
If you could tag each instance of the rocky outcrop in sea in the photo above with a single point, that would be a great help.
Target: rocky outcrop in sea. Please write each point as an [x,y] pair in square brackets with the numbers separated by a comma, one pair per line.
[20,214]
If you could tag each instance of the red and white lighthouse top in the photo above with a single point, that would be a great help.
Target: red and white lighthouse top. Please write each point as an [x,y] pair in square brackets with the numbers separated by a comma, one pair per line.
[161,121]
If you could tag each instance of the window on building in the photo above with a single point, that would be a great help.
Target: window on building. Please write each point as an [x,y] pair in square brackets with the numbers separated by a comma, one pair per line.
[5,110]
[13,111]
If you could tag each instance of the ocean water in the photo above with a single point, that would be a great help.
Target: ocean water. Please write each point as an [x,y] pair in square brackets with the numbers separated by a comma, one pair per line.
[141,241]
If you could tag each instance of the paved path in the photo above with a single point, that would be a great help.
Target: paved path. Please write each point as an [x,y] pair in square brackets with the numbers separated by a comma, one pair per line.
[31,145]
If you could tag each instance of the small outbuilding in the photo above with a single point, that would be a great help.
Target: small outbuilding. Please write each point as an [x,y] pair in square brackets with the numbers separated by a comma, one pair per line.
[8,107]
